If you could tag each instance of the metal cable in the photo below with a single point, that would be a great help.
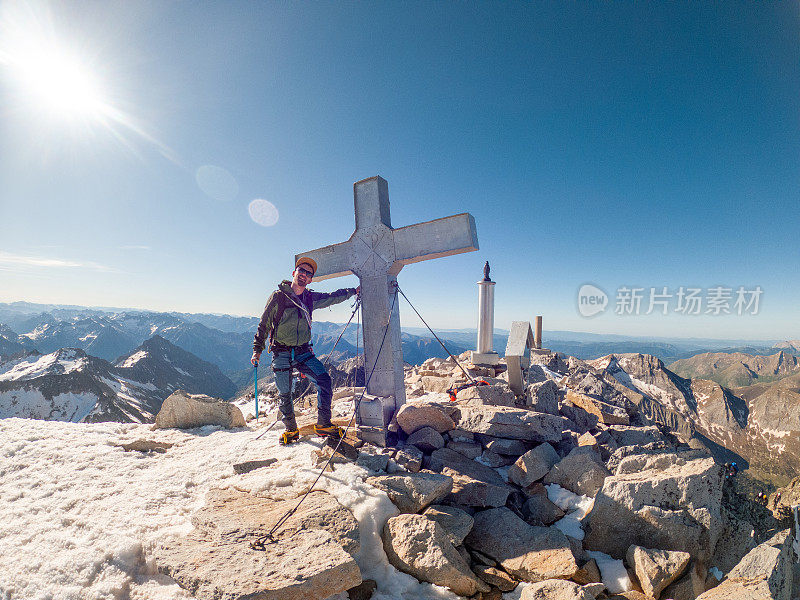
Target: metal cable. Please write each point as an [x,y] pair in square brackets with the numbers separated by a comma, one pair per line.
[259,544]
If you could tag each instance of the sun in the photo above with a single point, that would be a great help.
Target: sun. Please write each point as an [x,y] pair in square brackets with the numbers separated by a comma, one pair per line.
[57,82]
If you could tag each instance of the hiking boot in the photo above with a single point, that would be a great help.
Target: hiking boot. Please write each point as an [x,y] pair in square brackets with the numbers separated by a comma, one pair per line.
[329,431]
[289,436]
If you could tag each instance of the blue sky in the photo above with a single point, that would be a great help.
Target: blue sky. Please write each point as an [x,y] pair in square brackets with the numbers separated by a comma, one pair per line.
[639,145]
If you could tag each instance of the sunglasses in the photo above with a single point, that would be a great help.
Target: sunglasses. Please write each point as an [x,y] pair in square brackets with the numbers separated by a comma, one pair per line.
[305,272]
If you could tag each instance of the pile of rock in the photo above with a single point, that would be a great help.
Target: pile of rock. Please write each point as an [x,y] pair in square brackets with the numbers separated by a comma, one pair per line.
[474,479]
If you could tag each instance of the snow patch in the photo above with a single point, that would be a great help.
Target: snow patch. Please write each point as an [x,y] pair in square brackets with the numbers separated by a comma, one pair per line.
[577,508]
[613,572]
[133,359]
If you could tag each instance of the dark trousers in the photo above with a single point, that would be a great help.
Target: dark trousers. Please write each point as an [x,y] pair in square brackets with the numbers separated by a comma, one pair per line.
[283,361]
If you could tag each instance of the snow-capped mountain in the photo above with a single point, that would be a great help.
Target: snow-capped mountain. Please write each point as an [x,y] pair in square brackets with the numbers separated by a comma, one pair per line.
[70,385]
[168,368]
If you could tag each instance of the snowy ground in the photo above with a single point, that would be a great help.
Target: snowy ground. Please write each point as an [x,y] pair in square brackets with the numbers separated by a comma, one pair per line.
[78,515]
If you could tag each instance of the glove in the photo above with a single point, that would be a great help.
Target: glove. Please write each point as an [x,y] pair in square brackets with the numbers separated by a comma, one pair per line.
[255,358]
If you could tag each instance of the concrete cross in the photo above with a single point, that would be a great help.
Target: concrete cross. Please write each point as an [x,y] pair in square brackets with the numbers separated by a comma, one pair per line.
[376,252]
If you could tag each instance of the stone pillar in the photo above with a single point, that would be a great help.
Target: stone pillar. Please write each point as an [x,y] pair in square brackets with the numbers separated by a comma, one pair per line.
[485,355]
[537,340]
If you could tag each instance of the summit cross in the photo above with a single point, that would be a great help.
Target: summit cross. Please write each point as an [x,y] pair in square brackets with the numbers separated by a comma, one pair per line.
[376,252]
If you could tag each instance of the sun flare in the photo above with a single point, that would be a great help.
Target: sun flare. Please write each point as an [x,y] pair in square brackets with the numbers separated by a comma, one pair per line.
[58,82]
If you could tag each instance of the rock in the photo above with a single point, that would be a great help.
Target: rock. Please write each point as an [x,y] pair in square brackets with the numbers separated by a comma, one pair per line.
[581,471]
[689,586]
[461,435]
[468,491]
[469,449]
[142,445]
[736,539]
[533,465]
[426,439]
[491,395]
[420,547]
[512,423]
[526,552]
[763,574]
[419,414]
[656,569]
[495,577]
[363,591]
[252,465]
[540,509]
[543,397]
[491,459]
[410,458]
[594,589]
[588,573]
[555,589]
[581,420]
[186,411]
[447,458]
[606,413]
[673,509]
[231,514]
[438,385]
[308,559]
[636,436]
[414,491]
[456,522]
[373,462]
[481,559]
[587,440]
[629,595]
[503,445]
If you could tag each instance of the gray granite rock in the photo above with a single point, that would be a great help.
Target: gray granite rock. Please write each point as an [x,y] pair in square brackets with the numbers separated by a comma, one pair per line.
[413,491]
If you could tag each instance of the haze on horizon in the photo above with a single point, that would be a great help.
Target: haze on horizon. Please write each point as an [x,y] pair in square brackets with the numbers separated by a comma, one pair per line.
[174,157]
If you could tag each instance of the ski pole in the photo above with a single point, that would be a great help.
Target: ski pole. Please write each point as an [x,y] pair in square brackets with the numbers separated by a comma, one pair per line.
[255,387]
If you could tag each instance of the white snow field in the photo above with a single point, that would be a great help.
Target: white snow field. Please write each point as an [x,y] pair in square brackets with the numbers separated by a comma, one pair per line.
[78,514]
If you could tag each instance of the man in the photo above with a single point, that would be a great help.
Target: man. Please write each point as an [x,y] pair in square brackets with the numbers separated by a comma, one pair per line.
[287,323]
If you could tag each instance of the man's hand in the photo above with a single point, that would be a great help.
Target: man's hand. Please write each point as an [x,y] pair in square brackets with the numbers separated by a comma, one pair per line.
[255,358]
[358,291]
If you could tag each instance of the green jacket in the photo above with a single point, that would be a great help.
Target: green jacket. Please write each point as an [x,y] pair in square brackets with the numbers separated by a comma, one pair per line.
[293,329]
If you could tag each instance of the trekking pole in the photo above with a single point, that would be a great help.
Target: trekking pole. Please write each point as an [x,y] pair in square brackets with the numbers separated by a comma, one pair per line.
[255,387]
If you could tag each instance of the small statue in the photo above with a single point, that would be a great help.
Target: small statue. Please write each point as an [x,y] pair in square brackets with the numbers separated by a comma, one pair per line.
[486,271]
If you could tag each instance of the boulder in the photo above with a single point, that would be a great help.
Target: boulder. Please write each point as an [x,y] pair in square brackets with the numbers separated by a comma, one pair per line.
[492,395]
[418,414]
[765,573]
[736,539]
[495,577]
[677,508]
[503,445]
[539,509]
[308,559]
[420,547]
[409,458]
[605,413]
[636,436]
[412,492]
[555,589]
[587,440]
[494,460]
[512,423]
[363,591]
[580,420]
[690,585]
[468,491]
[533,465]
[182,410]
[230,514]
[469,449]
[656,569]
[436,384]
[588,573]
[581,471]
[526,552]
[456,522]
[426,439]
[543,397]
[447,458]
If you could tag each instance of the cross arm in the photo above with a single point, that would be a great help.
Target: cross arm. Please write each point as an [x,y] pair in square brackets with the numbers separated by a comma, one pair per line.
[332,261]
[434,239]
